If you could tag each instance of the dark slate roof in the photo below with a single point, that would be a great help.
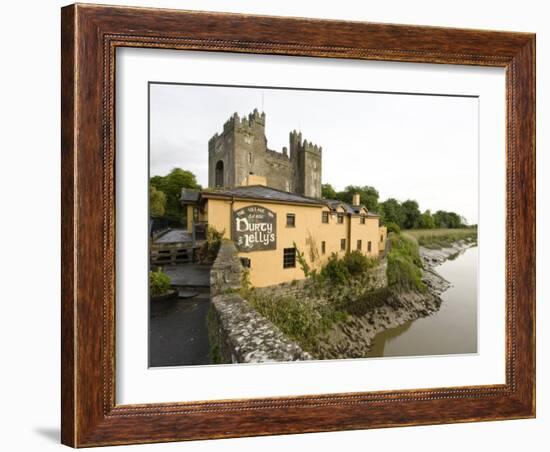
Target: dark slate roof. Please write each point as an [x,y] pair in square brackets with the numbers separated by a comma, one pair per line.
[189,195]
[263,192]
[352,210]
[334,204]
[272,194]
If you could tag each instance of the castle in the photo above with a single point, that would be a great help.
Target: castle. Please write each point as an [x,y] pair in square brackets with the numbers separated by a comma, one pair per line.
[240,153]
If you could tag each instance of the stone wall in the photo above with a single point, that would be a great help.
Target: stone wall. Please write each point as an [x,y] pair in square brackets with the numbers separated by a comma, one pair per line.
[290,289]
[237,332]
[304,288]
[226,271]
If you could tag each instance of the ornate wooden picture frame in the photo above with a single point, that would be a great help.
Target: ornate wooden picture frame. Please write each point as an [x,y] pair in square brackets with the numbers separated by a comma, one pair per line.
[90,37]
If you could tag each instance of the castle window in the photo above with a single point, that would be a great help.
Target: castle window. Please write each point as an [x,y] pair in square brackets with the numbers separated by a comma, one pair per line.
[289,258]
[290,220]
[369,246]
[359,245]
[342,244]
[219,174]
[323,247]
[340,218]
[250,157]
[325,217]
[362,219]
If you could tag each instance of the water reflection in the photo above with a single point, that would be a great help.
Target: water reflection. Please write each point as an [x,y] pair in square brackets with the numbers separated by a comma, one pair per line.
[451,330]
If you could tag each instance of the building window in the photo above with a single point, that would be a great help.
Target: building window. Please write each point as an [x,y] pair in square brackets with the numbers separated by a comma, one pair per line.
[342,244]
[196,214]
[290,220]
[359,244]
[381,238]
[323,247]
[219,174]
[369,246]
[340,218]
[362,219]
[245,262]
[289,258]
[325,217]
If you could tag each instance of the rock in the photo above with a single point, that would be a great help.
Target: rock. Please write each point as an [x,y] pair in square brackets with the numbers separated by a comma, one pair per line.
[188,294]
[353,339]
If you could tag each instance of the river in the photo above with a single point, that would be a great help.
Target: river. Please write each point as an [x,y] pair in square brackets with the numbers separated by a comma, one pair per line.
[451,330]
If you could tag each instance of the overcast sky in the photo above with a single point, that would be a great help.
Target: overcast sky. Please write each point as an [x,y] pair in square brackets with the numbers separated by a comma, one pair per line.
[406,146]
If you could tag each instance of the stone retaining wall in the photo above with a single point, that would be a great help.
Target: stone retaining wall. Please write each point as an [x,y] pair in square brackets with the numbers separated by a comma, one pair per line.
[237,332]
[376,279]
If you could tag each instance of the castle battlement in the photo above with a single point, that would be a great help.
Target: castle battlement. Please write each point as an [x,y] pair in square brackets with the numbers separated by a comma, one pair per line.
[296,142]
[245,123]
[241,150]
[278,155]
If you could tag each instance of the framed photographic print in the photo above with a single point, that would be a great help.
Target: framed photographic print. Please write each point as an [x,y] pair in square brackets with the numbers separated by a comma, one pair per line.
[281,225]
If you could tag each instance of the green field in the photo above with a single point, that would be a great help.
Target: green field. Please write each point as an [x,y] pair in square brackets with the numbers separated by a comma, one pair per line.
[440,238]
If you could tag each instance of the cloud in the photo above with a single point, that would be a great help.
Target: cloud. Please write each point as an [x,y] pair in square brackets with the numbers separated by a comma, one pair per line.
[407,146]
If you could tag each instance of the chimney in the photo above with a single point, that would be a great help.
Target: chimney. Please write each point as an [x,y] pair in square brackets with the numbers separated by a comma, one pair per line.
[356,199]
[253,179]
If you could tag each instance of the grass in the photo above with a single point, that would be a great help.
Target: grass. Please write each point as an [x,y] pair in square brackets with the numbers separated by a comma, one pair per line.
[404,265]
[440,238]
[331,298]
[325,301]
[301,321]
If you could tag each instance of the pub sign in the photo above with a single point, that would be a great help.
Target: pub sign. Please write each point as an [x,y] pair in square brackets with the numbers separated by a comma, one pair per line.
[254,229]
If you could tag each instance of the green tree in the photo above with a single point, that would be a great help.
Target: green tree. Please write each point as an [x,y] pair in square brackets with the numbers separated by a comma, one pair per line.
[328,191]
[171,186]
[412,214]
[427,221]
[445,219]
[368,196]
[392,212]
[157,202]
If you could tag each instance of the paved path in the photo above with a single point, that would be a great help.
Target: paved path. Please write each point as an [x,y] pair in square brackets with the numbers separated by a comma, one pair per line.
[188,274]
[175,236]
[178,335]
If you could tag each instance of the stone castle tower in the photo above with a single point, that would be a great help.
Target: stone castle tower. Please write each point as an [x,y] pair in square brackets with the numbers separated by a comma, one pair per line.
[241,151]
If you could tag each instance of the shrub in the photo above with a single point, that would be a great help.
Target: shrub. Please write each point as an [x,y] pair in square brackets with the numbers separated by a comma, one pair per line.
[393,227]
[340,270]
[299,320]
[159,283]
[404,265]
[335,270]
[300,257]
[209,250]
[357,263]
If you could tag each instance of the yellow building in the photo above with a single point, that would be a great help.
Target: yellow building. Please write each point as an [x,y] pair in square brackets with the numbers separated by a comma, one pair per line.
[268,226]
